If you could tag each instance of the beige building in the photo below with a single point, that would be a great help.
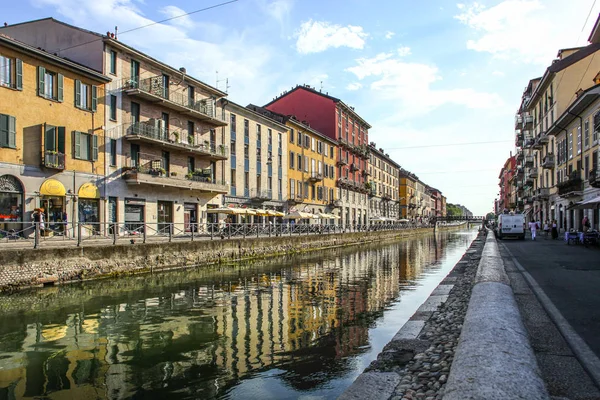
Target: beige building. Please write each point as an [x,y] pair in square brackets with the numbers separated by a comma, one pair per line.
[383,185]
[164,131]
[257,169]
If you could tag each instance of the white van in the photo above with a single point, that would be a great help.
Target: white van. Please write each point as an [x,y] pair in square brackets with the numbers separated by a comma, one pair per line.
[511,225]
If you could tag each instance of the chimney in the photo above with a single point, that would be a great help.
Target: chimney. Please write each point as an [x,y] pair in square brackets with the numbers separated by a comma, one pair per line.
[182,70]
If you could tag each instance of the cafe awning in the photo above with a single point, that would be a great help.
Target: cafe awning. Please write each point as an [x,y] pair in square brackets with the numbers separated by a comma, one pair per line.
[273,213]
[52,187]
[231,211]
[586,204]
[298,215]
[89,191]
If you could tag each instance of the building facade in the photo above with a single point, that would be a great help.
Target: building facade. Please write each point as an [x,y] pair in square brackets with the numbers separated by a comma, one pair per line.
[165,147]
[338,121]
[506,200]
[256,171]
[383,185]
[51,139]
[408,194]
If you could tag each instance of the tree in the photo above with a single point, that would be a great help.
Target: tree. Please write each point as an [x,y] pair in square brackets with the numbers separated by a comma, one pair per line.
[453,211]
[490,216]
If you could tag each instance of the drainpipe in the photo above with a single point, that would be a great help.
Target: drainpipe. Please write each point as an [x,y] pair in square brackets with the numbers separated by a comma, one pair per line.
[224,103]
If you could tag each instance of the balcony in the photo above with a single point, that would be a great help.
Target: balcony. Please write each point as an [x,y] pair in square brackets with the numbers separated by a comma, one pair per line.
[519,138]
[386,197]
[151,132]
[543,138]
[529,142]
[528,161]
[532,173]
[548,161]
[54,160]
[520,155]
[315,177]
[520,171]
[527,121]
[520,203]
[528,200]
[594,178]
[543,193]
[152,90]
[344,143]
[342,161]
[364,172]
[519,185]
[335,204]
[518,120]
[158,179]
[353,167]
[261,194]
[528,182]
[295,199]
[572,187]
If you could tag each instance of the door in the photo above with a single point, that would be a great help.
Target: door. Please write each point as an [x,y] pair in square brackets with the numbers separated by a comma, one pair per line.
[135,155]
[134,219]
[166,162]
[190,217]
[165,216]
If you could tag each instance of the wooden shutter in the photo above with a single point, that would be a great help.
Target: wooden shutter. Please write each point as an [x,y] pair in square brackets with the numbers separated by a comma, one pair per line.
[77,93]
[41,80]
[77,143]
[94,148]
[18,74]
[61,140]
[12,132]
[4,130]
[50,138]
[60,79]
[94,97]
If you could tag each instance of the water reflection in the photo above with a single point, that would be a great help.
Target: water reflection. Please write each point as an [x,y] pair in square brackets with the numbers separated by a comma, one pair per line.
[279,330]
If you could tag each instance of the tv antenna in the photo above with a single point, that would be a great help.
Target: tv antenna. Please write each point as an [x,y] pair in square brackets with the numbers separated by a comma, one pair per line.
[221,80]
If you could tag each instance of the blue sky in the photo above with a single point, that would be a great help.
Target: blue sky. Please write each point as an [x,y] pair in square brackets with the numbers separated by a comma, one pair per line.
[439,72]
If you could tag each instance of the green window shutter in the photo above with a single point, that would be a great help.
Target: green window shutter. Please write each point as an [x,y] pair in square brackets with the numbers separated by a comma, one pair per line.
[94,149]
[94,97]
[61,140]
[77,143]
[12,132]
[60,84]
[19,74]
[4,130]
[41,80]
[77,93]
[50,138]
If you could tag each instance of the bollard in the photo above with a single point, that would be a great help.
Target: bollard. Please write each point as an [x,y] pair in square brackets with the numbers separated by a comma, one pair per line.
[78,234]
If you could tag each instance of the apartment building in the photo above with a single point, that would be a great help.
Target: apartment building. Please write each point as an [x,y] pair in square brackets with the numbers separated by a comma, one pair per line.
[340,122]
[543,101]
[383,185]
[436,199]
[311,167]
[507,200]
[51,139]
[165,148]
[408,194]
[257,169]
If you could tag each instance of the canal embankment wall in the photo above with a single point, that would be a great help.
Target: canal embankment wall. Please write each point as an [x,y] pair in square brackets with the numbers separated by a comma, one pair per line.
[24,268]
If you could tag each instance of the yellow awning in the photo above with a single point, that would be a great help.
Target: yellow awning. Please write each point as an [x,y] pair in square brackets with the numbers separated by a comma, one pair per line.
[89,191]
[260,212]
[273,213]
[52,187]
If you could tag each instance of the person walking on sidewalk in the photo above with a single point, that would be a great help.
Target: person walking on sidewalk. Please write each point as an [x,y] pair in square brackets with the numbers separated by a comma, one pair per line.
[554,229]
[533,228]
[546,229]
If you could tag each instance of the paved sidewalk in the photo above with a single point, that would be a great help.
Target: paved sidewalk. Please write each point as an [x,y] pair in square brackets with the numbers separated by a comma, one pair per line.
[570,278]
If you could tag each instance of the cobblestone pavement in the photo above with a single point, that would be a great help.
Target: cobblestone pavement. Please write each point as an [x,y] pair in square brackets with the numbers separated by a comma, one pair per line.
[424,363]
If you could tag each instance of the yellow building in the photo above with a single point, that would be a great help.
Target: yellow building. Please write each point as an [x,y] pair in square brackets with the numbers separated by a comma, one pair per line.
[51,138]
[408,194]
[311,166]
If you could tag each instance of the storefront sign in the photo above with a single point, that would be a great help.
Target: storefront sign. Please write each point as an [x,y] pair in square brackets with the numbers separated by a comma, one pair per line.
[89,191]
[52,187]
[139,202]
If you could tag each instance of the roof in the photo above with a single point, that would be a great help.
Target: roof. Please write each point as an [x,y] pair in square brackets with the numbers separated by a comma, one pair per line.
[285,118]
[595,33]
[122,45]
[326,95]
[53,59]
[375,150]
[225,102]
[583,101]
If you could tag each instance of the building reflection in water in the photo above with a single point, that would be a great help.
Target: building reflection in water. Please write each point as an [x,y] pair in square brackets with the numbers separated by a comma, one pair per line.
[198,340]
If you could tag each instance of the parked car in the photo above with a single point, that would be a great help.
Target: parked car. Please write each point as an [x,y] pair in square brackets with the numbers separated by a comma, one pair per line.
[510,225]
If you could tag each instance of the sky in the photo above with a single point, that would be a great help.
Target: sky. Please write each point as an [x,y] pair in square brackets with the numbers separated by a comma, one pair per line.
[429,76]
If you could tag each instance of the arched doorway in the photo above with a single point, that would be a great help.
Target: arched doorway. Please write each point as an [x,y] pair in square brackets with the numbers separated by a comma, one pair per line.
[11,204]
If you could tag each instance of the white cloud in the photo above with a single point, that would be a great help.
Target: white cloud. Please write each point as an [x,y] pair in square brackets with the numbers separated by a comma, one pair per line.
[404,51]
[410,86]
[529,31]
[389,34]
[318,36]
[182,20]
[354,86]
[498,73]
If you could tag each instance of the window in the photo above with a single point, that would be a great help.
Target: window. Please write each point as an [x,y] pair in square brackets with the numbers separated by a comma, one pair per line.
[579,140]
[292,188]
[307,141]
[587,167]
[11,72]
[165,86]
[258,136]
[113,107]
[291,135]
[113,152]
[291,160]
[50,84]
[570,151]
[86,96]
[279,160]
[246,129]
[191,165]
[85,146]
[279,140]
[300,137]
[586,134]
[113,62]
[8,131]
[135,73]
[246,151]
[279,187]
[135,113]
[270,137]
[299,166]
[312,144]
[191,96]
[232,147]
[305,162]
[270,183]
[232,180]
[232,123]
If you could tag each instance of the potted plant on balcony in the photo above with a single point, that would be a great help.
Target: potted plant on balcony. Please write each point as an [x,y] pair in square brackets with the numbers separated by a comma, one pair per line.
[189,175]
[222,149]
[191,140]
[173,173]
[176,136]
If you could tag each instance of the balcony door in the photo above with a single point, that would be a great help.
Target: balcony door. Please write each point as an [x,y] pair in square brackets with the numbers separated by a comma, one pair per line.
[135,113]
[165,216]
[165,126]
[135,73]
[166,162]
[135,155]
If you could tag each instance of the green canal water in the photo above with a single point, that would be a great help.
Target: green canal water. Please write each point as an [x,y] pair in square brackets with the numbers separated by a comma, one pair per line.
[287,328]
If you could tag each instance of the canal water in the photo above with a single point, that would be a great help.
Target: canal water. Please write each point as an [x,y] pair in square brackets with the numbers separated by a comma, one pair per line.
[287,328]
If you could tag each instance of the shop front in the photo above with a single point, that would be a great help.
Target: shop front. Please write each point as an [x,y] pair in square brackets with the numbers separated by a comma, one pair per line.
[134,215]
[53,203]
[190,217]
[89,207]
[11,206]
[165,216]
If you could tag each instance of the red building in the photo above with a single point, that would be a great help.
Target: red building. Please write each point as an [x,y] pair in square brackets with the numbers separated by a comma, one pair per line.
[436,196]
[507,200]
[332,117]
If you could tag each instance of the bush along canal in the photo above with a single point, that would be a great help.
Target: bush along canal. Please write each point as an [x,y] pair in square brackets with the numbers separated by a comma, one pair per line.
[303,326]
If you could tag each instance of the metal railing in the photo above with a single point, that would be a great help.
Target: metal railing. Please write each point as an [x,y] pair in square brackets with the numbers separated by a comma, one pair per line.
[54,160]
[63,234]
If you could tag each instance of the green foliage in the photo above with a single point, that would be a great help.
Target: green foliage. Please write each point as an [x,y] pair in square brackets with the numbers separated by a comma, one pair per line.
[453,211]
[490,216]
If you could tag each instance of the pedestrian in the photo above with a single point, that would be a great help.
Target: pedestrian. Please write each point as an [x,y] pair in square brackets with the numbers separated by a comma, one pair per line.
[546,229]
[586,223]
[533,228]
[554,229]
[222,226]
